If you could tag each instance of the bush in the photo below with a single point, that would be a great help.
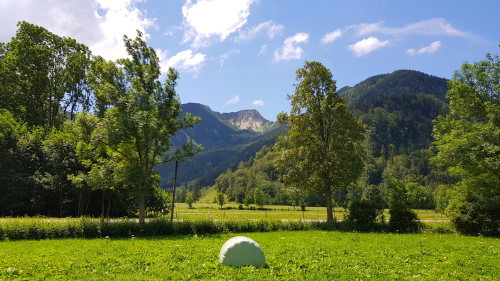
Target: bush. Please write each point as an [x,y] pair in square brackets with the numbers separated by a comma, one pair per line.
[362,214]
[471,219]
[403,220]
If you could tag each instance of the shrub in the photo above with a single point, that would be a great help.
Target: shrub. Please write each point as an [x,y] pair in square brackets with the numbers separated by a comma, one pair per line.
[362,214]
[402,217]
[403,220]
[470,218]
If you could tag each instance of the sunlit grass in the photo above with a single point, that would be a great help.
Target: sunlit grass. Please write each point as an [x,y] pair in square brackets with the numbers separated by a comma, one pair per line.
[301,255]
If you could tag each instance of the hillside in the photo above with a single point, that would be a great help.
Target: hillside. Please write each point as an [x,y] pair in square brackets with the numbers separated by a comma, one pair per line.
[399,108]
[400,82]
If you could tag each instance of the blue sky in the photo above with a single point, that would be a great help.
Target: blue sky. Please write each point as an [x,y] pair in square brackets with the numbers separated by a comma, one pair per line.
[243,54]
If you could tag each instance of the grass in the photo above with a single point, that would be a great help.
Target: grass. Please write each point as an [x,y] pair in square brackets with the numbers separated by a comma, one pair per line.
[309,255]
[273,212]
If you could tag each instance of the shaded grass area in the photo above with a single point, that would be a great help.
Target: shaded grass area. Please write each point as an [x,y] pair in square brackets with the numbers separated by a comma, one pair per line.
[300,255]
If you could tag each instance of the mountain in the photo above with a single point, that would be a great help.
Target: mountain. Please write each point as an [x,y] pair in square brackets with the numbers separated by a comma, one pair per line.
[247,120]
[399,108]
[227,139]
[400,82]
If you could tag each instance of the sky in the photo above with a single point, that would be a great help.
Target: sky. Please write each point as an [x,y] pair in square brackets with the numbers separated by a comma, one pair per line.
[243,54]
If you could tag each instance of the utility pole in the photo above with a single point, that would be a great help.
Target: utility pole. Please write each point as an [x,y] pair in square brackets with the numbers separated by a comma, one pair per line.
[173,192]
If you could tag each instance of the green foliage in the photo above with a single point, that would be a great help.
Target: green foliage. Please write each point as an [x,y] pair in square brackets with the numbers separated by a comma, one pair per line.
[402,217]
[468,145]
[43,76]
[189,200]
[220,199]
[363,213]
[260,198]
[323,149]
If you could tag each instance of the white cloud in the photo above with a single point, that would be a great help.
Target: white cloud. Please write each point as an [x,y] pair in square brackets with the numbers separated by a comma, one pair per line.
[185,61]
[290,49]
[432,48]
[331,36]
[436,26]
[367,28]
[272,30]
[233,100]
[367,46]
[209,20]
[258,102]
[99,24]
[224,57]
[263,50]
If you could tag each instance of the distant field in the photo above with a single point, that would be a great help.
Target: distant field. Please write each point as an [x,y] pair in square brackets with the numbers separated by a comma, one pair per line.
[302,255]
[212,211]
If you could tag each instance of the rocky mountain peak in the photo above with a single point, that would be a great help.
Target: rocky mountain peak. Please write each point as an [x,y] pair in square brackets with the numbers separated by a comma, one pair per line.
[249,119]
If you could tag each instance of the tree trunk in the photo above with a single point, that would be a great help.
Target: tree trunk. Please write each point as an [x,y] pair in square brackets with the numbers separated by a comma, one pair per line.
[142,209]
[102,204]
[80,202]
[329,207]
[61,201]
[173,191]
[109,207]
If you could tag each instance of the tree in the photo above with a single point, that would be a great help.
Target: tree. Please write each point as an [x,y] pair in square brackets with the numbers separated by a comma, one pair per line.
[260,197]
[189,200]
[142,120]
[43,76]
[220,199]
[402,217]
[323,149]
[468,145]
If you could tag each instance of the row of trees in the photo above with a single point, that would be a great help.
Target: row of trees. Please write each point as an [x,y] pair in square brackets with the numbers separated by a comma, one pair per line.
[73,124]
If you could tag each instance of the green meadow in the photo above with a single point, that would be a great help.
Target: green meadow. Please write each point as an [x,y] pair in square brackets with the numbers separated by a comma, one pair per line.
[290,255]
[275,212]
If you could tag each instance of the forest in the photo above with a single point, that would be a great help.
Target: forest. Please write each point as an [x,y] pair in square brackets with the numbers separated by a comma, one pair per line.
[81,136]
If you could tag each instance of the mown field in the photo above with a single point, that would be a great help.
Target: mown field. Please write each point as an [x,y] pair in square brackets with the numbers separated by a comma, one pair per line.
[298,255]
[273,212]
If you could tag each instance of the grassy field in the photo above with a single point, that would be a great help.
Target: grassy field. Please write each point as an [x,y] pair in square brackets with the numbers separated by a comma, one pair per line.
[212,211]
[307,255]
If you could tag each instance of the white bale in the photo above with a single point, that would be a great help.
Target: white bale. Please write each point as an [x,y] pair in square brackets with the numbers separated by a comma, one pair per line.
[241,251]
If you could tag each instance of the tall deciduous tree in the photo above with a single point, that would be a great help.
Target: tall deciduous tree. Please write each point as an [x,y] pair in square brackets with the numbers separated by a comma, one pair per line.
[144,118]
[43,76]
[468,144]
[323,149]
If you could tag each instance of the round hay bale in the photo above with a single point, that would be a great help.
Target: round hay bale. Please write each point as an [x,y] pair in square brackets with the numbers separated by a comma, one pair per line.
[241,251]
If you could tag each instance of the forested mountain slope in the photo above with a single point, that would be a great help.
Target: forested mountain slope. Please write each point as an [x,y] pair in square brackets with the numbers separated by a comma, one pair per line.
[399,108]
[399,82]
